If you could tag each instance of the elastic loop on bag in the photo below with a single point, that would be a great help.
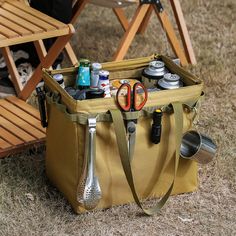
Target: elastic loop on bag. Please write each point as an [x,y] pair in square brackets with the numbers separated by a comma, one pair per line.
[124,154]
[131,115]
[81,118]
[56,97]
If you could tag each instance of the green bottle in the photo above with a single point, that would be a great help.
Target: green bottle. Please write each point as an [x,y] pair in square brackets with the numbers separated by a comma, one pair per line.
[83,78]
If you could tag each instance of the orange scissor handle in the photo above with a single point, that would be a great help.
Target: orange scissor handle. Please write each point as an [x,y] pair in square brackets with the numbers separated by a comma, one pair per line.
[127,88]
[140,96]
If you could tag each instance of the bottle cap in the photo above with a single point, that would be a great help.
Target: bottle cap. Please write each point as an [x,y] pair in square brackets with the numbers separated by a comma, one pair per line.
[103,74]
[96,66]
[58,77]
[155,68]
[84,62]
[170,81]
[171,77]
[156,64]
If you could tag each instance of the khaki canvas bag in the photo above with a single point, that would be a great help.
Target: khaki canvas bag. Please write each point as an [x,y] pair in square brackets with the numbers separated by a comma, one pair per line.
[155,170]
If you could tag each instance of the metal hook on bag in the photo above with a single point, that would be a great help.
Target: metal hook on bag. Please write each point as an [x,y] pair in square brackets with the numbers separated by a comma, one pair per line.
[194,114]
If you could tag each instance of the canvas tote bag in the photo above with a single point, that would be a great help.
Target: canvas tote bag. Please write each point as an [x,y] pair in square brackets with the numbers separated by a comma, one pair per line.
[155,170]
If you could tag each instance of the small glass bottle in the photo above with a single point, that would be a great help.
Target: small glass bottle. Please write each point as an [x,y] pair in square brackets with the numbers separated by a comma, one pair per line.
[96,67]
[103,82]
[83,78]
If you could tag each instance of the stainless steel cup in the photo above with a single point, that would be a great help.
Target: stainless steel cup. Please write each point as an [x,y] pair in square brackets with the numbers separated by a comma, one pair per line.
[198,147]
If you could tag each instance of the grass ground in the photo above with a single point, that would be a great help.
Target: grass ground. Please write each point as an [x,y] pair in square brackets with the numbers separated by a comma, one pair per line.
[29,205]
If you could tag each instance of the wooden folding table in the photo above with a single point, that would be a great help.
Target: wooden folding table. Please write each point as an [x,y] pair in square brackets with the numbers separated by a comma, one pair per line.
[19,23]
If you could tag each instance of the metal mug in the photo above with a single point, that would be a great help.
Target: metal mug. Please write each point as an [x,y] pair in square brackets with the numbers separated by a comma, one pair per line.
[198,147]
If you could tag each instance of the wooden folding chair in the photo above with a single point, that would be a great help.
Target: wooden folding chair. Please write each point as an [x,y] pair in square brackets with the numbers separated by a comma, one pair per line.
[139,22]
[19,23]
[179,17]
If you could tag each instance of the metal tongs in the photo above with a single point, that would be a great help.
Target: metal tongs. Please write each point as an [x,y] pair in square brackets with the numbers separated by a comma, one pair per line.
[89,191]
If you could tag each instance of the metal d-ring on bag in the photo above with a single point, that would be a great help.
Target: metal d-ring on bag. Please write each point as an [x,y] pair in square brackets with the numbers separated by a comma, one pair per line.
[89,191]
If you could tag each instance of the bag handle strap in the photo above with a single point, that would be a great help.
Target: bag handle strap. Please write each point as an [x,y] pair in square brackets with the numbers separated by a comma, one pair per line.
[124,154]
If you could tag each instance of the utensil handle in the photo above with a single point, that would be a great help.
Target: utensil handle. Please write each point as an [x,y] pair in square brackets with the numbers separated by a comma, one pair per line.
[139,105]
[124,87]
[91,146]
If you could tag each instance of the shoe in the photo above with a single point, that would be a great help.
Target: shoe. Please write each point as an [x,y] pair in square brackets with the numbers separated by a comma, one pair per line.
[19,57]
[25,71]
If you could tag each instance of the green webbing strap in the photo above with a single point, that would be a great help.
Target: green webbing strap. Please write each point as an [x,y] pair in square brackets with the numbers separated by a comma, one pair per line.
[124,155]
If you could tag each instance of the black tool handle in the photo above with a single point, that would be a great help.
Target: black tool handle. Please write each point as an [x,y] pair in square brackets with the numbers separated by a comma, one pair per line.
[156,127]
[42,108]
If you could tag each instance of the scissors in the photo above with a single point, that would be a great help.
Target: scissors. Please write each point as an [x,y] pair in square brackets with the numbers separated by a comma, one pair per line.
[136,96]
[130,99]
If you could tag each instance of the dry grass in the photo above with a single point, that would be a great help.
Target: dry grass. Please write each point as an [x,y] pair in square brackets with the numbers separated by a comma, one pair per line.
[29,205]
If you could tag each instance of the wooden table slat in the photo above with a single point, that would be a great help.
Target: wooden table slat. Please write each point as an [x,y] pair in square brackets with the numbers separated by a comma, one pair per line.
[18,20]
[15,27]
[24,106]
[8,32]
[16,130]
[22,114]
[30,17]
[21,123]
[9,137]
[40,15]
[2,36]
[16,134]
[4,144]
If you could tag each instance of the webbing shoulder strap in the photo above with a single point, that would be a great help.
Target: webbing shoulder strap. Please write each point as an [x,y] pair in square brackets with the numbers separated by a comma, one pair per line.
[124,154]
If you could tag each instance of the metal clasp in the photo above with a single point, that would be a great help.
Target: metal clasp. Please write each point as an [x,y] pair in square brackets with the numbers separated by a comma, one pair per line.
[156,2]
